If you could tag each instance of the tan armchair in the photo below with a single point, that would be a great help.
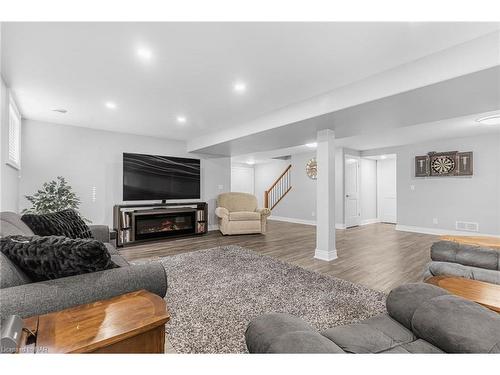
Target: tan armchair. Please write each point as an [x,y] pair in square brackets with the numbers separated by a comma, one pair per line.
[238,214]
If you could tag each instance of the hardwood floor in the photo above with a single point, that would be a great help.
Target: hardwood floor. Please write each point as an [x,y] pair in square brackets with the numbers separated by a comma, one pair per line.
[374,255]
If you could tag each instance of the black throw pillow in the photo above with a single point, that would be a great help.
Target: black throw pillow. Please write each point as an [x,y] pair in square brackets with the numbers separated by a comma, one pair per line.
[53,257]
[67,223]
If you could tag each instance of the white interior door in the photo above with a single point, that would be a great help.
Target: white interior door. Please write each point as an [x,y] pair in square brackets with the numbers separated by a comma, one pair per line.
[242,179]
[386,190]
[351,187]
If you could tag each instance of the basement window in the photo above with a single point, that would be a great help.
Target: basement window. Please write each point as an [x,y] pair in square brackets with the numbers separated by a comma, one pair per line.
[14,155]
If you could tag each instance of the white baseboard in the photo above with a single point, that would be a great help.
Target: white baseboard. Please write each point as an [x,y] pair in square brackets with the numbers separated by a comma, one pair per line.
[370,221]
[292,220]
[326,255]
[213,227]
[301,221]
[440,232]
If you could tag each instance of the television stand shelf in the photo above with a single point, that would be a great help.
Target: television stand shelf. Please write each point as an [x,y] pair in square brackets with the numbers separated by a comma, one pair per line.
[135,223]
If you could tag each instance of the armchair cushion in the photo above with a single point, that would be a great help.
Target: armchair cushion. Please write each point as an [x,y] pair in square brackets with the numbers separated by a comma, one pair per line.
[243,216]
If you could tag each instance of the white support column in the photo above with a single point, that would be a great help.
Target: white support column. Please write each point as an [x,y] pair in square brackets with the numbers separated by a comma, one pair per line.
[325,196]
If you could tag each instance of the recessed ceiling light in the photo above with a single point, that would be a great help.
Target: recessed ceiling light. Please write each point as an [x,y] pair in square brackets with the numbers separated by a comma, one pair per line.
[181,119]
[490,120]
[312,144]
[383,157]
[240,87]
[110,105]
[60,110]
[250,162]
[145,53]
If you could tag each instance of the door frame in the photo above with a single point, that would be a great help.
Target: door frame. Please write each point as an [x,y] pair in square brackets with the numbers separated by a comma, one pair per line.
[358,159]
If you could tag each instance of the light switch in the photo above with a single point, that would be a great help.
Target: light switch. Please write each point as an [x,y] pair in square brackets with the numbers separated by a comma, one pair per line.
[220,187]
[412,187]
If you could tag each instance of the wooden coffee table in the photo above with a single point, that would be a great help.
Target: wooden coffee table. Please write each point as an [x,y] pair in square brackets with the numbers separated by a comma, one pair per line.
[483,293]
[130,323]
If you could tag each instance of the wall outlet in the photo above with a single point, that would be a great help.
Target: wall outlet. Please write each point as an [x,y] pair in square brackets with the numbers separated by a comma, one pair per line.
[220,187]
[435,220]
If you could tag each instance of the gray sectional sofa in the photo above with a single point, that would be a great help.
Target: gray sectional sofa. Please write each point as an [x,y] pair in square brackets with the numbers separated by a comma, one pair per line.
[472,262]
[421,318]
[18,295]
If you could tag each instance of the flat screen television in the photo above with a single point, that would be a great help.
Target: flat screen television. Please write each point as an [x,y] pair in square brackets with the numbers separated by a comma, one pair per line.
[153,177]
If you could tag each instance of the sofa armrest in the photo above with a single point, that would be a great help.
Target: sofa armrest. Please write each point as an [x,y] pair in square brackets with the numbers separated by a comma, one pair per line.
[467,255]
[455,269]
[284,333]
[221,212]
[265,212]
[100,232]
[59,294]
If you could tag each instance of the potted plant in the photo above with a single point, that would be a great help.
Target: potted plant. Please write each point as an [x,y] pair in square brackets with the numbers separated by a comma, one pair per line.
[54,196]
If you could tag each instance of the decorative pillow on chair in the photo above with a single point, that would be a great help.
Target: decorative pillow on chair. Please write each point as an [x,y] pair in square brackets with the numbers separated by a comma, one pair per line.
[53,257]
[65,223]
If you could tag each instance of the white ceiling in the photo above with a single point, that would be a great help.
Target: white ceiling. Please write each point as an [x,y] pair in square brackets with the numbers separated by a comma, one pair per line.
[80,66]
[383,142]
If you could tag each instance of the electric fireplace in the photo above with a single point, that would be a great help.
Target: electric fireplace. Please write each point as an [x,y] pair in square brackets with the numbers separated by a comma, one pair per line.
[164,224]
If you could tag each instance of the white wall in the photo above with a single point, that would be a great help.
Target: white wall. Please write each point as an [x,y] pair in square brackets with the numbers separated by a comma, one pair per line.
[9,176]
[242,178]
[266,174]
[368,190]
[90,158]
[387,190]
[448,199]
[300,202]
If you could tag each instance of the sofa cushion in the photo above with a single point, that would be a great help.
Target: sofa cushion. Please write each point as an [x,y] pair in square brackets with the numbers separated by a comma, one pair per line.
[67,223]
[243,216]
[402,301]
[12,225]
[237,202]
[10,274]
[373,335]
[53,257]
[455,269]
[467,255]
[415,347]
[303,342]
[457,325]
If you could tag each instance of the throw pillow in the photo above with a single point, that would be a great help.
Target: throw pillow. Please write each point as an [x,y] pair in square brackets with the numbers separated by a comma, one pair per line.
[67,223]
[53,257]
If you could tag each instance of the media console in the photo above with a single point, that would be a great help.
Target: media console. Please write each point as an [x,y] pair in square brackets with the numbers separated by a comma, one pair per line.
[142,222]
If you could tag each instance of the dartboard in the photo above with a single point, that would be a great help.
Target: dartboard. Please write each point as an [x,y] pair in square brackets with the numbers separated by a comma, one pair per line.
[443,164]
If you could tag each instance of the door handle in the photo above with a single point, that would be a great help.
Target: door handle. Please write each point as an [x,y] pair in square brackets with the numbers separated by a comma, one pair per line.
[347,195]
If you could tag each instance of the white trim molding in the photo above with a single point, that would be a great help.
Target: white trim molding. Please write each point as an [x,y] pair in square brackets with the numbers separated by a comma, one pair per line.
[441,232]
[325,255]
[370,221]
[302,221]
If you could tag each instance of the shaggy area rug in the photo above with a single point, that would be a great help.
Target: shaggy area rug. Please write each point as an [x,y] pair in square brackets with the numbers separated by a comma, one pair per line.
[213,294]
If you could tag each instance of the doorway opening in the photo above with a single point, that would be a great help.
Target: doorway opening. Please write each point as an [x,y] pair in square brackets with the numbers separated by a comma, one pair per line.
[370,189]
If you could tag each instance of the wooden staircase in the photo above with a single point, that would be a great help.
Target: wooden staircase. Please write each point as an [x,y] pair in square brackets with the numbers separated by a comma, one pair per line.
[278,189]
